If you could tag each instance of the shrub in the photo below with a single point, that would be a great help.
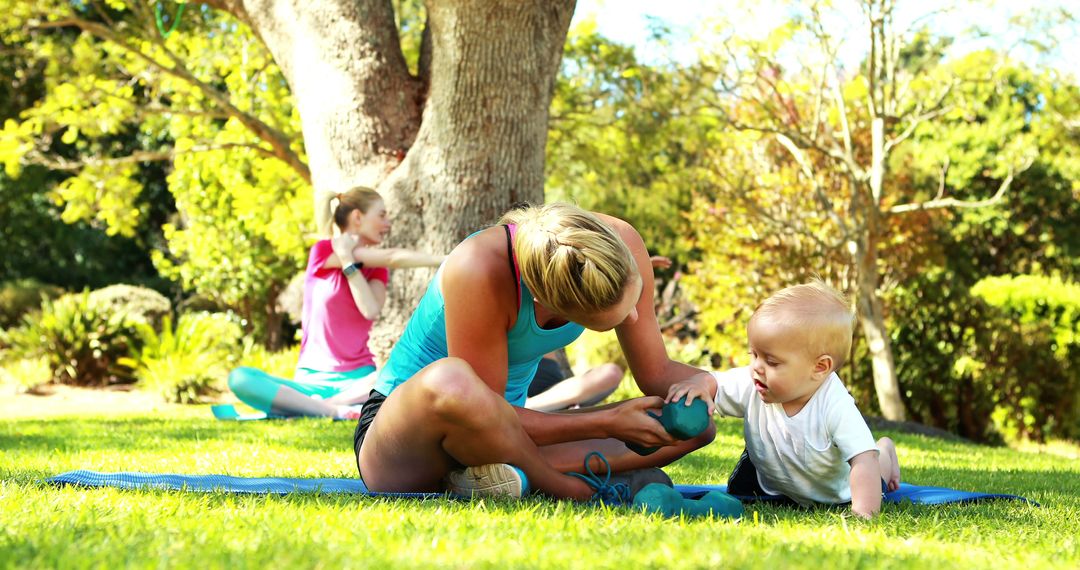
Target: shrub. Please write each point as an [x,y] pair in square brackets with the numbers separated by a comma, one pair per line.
[281,363]
[85,343]
[188,362]
[28,373]
[140,304]
[17,298]
[1033,363]
[1001,357]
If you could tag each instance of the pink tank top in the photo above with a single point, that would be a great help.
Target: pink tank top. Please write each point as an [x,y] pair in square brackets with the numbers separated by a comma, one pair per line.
[335,332]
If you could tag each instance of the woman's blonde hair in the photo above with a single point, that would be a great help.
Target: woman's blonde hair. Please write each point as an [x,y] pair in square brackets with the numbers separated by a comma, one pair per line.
[358,198]
[571,261]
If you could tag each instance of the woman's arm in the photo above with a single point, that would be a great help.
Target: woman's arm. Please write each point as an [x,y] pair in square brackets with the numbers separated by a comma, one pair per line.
[476,331]
[393,258]
[369,296]
[641,340]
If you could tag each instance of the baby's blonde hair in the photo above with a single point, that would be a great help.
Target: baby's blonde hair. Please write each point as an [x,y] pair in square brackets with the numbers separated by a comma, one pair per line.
[358,198]
[822,313]
[571,261]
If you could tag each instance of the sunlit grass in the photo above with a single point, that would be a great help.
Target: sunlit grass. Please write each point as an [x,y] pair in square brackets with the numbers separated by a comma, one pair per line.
[45,526]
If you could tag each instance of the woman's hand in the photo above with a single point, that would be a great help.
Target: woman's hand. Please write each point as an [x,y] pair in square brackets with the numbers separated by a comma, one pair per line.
[631,423]
[343,245]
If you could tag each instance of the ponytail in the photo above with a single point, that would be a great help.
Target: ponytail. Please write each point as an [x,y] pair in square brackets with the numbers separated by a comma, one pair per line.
[571,261]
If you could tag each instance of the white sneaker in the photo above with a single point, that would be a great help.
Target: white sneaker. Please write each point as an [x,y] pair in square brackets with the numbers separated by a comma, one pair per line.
[491,480]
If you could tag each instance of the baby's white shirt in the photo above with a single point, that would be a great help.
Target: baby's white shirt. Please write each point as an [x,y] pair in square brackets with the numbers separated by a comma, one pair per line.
[804,457]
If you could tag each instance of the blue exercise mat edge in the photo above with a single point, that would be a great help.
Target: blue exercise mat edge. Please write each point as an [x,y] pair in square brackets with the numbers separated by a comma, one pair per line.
[917,494]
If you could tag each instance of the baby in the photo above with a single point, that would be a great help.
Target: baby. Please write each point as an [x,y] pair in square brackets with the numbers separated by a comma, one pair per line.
[805,438]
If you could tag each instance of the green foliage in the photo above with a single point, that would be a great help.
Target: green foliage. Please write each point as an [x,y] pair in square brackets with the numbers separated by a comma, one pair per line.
[188,362]
[281,363]
[624,138]
[138,304]
[27,373]
[84,342]
[119,98]
[20,297]
[1041,341]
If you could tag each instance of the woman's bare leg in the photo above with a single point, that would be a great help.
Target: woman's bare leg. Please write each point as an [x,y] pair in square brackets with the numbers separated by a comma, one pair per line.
[444,418]
[289,402]
[570,456]
[593,386]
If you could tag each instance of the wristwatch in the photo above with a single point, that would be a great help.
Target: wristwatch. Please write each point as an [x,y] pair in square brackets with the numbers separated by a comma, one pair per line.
[348,270]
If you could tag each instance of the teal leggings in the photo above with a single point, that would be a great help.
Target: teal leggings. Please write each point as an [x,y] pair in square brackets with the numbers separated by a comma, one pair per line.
[258,389]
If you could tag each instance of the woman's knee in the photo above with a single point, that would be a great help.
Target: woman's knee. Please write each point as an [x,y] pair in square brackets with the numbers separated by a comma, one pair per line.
[609,374]
[242,379]
[450,385]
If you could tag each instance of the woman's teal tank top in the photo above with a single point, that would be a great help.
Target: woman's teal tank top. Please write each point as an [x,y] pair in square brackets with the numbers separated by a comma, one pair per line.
[424,341]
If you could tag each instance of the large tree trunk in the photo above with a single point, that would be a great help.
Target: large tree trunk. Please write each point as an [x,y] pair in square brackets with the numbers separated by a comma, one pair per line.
[448,160]
[359,106]
[482,138]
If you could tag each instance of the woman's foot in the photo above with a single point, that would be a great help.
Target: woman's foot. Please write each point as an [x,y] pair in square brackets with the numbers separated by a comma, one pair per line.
[348,412]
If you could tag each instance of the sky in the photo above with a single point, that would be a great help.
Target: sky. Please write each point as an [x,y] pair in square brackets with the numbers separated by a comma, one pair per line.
[694,22]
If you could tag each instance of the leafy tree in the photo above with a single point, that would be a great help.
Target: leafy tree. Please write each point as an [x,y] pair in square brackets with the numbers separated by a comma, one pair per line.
[34,242]
[625,138]
[450,146]
[827,173]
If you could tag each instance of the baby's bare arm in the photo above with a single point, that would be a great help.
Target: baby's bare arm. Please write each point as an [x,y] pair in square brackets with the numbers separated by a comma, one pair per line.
[865,484]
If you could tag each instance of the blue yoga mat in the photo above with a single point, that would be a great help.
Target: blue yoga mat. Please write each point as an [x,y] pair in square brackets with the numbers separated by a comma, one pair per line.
[918,494]
[282,485]
[227,483]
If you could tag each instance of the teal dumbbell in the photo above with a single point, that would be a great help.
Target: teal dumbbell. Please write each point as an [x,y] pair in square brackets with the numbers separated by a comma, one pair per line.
[713,504]
[680,420]
[658,498]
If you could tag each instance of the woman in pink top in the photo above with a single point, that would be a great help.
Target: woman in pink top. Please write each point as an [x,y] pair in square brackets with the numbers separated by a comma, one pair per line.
[344,291]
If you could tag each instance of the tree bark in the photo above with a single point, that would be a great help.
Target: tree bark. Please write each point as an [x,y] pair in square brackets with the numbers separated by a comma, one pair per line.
[871,310]
[482,138]
[447,160]
[359,106]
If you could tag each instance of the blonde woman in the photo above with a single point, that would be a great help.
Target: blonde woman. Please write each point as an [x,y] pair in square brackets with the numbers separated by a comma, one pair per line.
[344,292]
[447,410]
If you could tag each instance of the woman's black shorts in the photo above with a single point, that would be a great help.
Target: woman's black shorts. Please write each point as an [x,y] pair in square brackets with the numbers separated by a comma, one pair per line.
[367,415]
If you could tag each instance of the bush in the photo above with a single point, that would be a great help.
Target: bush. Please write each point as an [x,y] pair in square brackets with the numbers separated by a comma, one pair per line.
[17,298]
[281,364]
[1001,357]
[140,304]
[29,373]
[1033,363]
[189,362]
[84,342]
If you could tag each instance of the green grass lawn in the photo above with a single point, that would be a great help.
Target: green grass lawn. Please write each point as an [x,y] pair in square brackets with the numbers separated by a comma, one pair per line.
[44,526]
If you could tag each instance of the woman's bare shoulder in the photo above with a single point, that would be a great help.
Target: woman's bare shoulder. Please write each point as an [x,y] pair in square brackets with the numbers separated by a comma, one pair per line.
[480,261]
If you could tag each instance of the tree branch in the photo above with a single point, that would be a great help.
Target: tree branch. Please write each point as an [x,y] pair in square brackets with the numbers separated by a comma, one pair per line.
[65,165]
[277,140]
[954,203]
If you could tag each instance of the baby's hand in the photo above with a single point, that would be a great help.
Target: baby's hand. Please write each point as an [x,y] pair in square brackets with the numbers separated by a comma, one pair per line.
[699,386]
